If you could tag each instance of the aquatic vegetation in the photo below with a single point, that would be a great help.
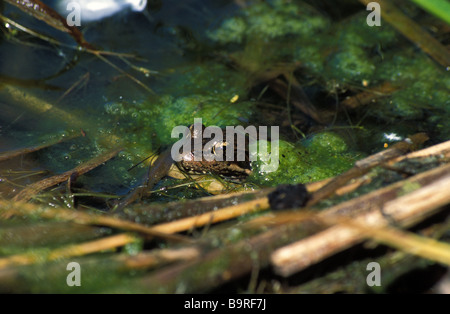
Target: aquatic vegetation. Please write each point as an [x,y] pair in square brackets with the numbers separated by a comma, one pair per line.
[90,122]
[269,20]
[352,56]
[319,157]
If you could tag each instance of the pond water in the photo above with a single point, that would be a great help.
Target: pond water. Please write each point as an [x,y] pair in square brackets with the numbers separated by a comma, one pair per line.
[224,62]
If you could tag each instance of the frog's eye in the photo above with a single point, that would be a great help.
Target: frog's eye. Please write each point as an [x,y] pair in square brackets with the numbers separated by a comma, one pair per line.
[218,148]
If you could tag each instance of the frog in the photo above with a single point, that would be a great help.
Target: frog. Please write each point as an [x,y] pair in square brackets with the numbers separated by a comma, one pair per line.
[234,171]
[229,170]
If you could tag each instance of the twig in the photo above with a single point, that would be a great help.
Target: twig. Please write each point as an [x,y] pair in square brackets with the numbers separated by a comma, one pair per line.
[439,150]
[37,187]
[26,100]
[7,209]
[373,208]
[13,281]
[45,13]
[217,266]
[213,217]
[364,165]
[405,241]
[88,48]
[299,98]
[82,81]
[368,96]
[46,233]
[99,55]
[158,213]
[31,32]
[69,251]
[158,257]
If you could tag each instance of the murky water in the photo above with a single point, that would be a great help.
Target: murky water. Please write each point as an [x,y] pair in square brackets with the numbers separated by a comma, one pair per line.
[187,59]
[337,88]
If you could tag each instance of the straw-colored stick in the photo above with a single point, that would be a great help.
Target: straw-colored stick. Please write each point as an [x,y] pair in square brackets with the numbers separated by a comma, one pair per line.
[213,217]
[69,251]
[7,209]
[405,210]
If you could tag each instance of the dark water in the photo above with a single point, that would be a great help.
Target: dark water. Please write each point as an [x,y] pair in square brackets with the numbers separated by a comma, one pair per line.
[196,61]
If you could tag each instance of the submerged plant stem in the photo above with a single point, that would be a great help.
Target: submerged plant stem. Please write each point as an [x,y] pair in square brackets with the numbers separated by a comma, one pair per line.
[37,187]
[45,13]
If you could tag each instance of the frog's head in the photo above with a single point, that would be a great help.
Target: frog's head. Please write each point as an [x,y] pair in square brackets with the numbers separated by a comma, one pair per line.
[210,145]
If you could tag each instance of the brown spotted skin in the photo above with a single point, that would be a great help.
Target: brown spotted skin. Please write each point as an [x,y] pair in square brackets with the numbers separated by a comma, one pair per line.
[232,170]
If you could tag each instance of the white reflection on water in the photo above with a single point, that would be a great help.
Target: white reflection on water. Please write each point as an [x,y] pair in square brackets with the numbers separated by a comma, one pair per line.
[94,10]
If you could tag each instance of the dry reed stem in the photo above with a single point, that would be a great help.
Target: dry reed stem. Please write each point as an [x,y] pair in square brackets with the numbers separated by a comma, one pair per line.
[222,214]
[405,241]
[145,260]
[367,96]
[7,209]
[438,150]
[405,210]
[69,251]
[364,165]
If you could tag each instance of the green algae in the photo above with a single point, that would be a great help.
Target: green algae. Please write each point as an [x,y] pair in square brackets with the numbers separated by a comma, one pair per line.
[206,78]
[143,127]
[350,65]
[351,278]
[319,157]
[366,55]
[96,274]
[213,110]
[424,89]
[270,20]
[134,248]
[36,236]
[408,188]
[349,55]
[202,92]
